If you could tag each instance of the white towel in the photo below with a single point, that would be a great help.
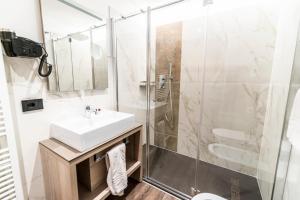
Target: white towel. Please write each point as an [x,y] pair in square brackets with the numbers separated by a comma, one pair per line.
[293,132]
[116,165]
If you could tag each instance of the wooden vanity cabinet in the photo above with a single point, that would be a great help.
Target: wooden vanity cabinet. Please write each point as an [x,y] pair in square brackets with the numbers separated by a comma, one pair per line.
[70,174]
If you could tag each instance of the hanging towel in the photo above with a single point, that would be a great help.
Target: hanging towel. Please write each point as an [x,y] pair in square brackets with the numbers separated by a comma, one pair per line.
[293,131]
[116,165]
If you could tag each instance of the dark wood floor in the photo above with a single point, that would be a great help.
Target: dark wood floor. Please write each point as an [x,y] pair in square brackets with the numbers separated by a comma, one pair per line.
[142,191]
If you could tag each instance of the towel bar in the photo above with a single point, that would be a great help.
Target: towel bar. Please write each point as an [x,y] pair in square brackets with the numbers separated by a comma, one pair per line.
[98,158]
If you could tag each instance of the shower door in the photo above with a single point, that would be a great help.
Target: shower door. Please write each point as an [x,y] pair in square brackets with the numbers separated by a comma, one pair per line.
[176,47]
[165,119]
[240,43]
[199,83]
[210,72]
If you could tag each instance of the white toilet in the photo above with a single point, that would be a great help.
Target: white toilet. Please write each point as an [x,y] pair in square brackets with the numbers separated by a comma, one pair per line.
[207,196]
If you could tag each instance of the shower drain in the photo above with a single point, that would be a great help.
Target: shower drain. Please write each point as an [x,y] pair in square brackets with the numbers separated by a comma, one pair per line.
[235,189]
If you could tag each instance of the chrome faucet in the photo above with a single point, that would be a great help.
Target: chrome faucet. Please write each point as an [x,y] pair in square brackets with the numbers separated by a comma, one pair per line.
[91,109]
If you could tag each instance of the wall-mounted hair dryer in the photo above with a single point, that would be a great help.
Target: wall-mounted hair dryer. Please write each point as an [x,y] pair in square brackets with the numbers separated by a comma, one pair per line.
[15,46]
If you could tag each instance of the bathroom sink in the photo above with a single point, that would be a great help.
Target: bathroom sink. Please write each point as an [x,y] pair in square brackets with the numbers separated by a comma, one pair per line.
[82,133]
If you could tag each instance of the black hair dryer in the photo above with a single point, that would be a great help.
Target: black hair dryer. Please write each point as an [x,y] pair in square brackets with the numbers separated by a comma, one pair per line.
[15,46]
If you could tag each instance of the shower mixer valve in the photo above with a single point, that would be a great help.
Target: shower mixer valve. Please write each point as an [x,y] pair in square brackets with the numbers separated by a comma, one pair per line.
[162,81]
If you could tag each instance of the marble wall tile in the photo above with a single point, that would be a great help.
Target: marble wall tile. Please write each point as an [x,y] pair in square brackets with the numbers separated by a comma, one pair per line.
[131,52]
[239,46]
[189,119]
[131,60]
[229,89]
[192,73]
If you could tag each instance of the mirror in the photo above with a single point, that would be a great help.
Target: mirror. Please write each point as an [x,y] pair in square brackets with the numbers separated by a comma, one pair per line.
[75,40]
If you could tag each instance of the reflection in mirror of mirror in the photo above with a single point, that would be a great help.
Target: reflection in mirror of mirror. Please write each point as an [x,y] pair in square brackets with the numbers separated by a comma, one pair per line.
[75,39]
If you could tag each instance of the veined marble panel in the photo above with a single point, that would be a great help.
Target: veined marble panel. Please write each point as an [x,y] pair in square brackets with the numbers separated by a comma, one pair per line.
[168,60]
[192,79]
[225,86]
[131,61]
[240,45]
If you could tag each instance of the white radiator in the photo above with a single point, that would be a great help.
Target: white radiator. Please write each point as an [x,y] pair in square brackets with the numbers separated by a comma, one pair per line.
[10,181]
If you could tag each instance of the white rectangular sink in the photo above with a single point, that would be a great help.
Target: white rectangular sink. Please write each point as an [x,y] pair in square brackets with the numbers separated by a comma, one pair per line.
[82,133]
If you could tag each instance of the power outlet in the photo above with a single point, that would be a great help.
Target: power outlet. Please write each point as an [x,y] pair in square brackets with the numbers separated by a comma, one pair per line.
[32,104]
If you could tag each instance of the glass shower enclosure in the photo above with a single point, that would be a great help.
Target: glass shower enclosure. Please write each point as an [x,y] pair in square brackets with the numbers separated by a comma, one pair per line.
[197,75]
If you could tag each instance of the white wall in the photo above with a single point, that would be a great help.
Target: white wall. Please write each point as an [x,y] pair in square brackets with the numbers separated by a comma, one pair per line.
[23,16]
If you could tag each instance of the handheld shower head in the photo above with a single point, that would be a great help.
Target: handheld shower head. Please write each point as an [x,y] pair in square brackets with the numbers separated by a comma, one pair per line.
[169,114]
[171,71]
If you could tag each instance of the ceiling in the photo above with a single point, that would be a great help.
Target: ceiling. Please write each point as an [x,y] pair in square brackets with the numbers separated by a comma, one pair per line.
[61,18]
[119,7]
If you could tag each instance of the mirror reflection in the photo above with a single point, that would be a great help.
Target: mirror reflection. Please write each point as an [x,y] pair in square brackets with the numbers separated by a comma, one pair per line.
[75,39]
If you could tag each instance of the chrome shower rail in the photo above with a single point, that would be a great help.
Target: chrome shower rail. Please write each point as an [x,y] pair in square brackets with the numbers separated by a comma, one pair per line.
[151,9]
[148,77]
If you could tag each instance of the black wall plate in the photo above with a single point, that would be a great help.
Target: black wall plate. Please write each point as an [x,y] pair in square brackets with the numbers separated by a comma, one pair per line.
[32,104]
